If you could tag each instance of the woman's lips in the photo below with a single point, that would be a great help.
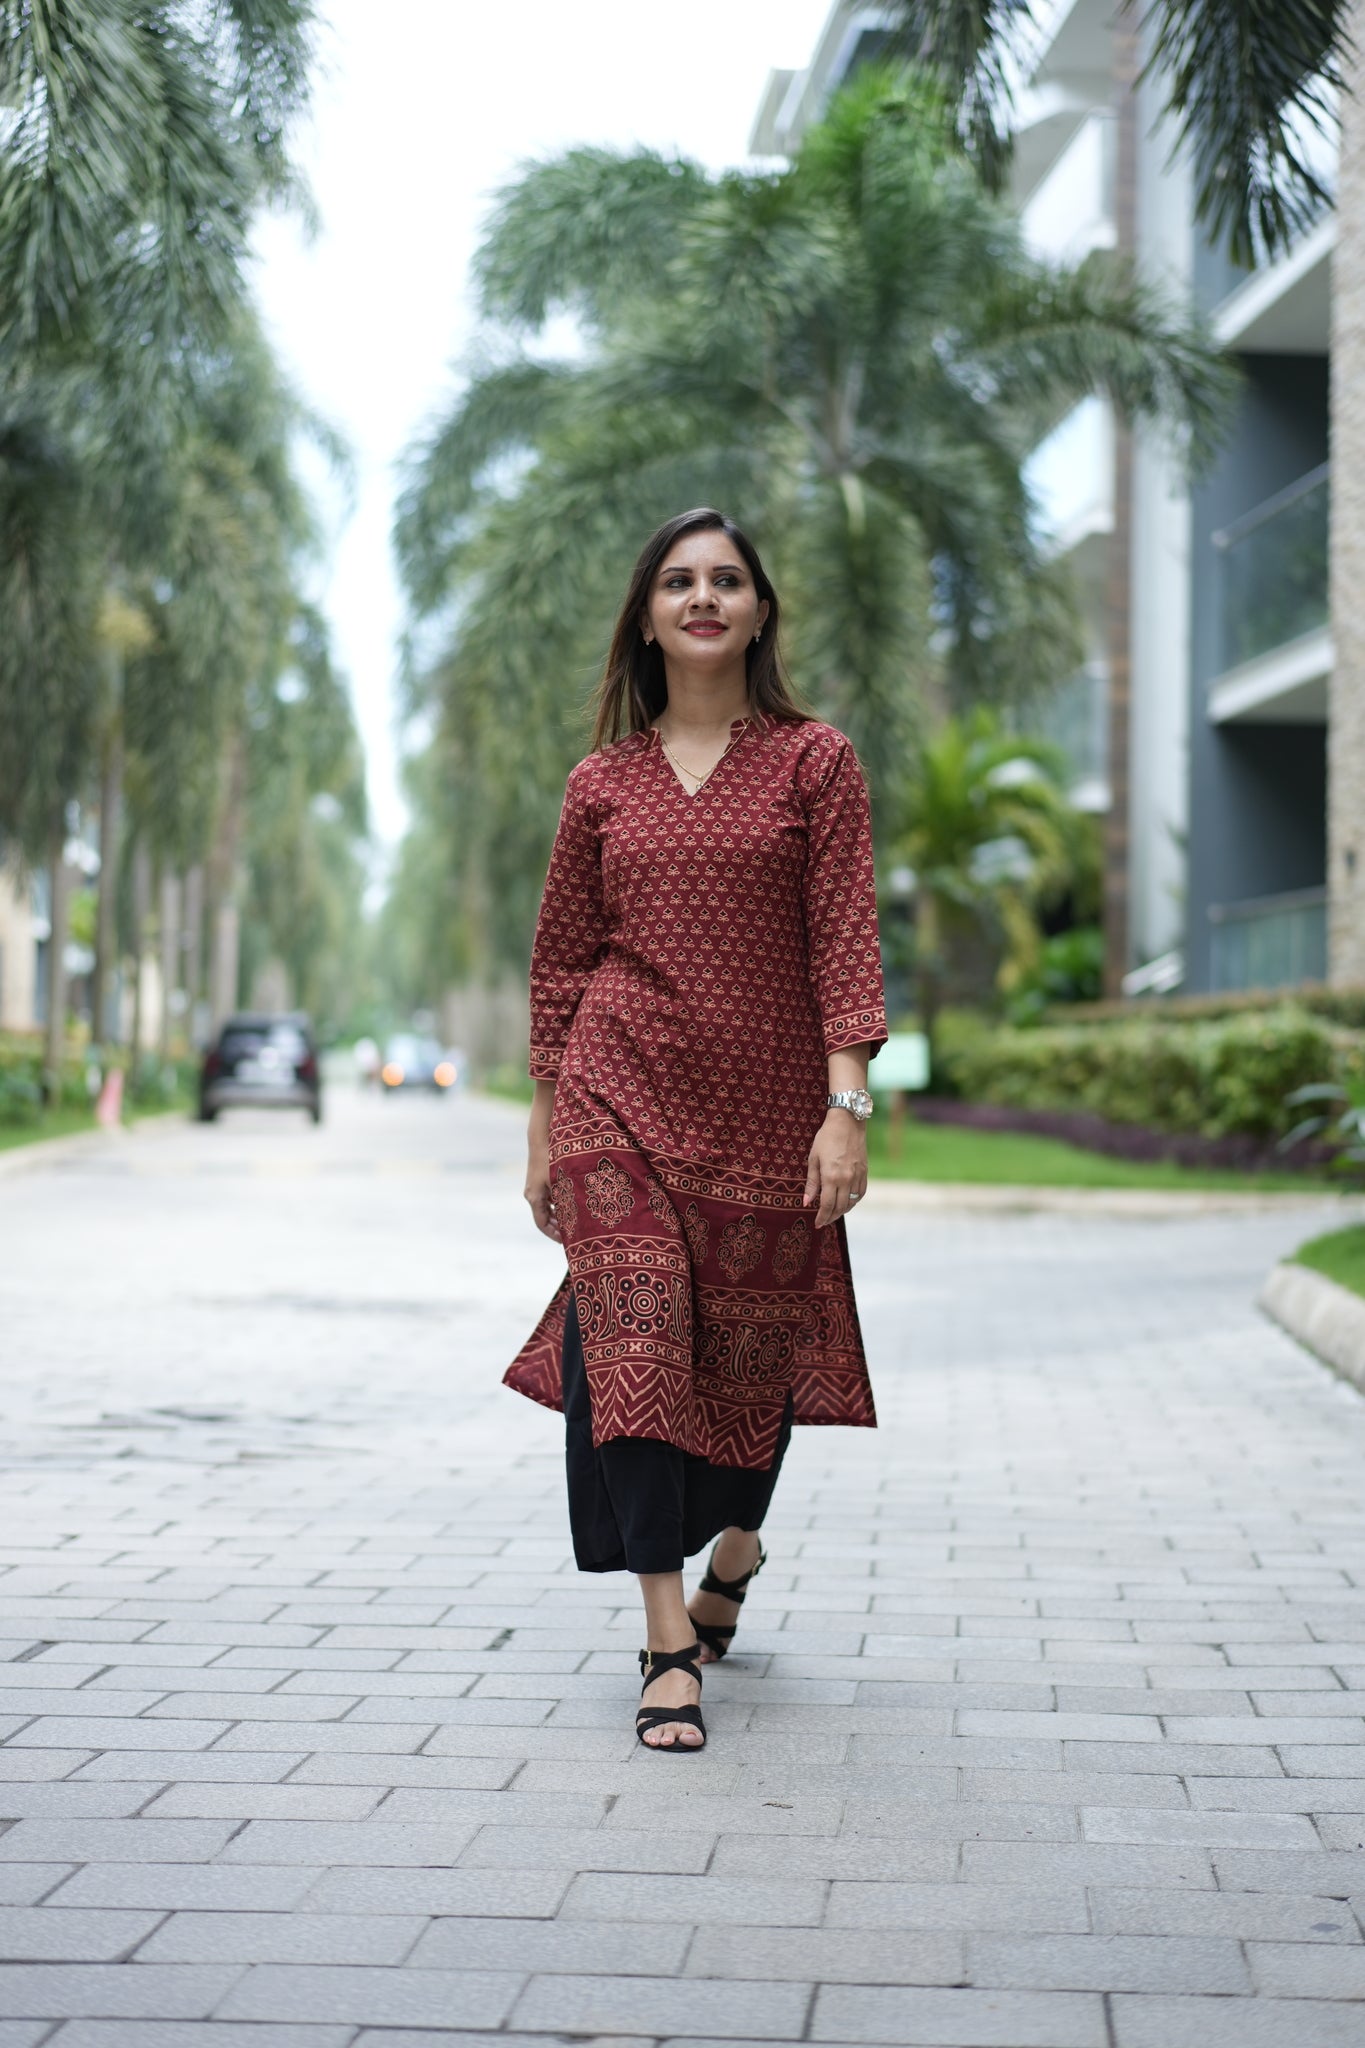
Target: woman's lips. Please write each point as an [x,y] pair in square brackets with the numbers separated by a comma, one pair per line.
[705,629]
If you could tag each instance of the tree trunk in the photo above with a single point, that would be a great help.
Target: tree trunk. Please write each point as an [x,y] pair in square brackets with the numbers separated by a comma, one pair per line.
[1346,689]
[225,882]
[193,920]
[170,956]
[54,1048]
[928,969]
[142,894]
[103,980]
[1118,583]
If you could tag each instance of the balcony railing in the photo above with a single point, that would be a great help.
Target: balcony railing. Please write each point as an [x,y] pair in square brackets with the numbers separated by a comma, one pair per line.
[1269,941]
[1075,718]
[1272,571]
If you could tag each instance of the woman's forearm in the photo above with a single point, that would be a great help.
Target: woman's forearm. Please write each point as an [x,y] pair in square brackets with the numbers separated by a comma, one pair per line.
[542,1103]
[848,1068]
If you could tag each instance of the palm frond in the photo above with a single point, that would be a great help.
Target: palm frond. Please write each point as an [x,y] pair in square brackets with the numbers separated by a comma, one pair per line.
[580,231]
[1043,334]
[1248,81]
[969,44]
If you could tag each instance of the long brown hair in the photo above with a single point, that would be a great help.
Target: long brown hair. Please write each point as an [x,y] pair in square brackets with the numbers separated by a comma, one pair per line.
[633,690]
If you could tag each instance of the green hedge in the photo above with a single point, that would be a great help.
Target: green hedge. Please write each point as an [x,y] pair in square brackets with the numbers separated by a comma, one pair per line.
[1337,1005]
[1221,1078]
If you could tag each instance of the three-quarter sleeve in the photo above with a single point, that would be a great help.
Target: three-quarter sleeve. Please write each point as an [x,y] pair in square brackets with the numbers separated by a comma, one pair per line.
[841,897]
[571,929]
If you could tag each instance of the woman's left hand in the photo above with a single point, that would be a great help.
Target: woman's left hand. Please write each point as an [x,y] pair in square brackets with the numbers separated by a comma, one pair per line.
[837,1173]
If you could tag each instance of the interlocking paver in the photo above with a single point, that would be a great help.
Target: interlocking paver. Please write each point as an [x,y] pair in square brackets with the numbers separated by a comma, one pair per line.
[1098,1962]
[1175,2022]
[1053,1689]
[926,2018]
[282,1938]
[747,2011]
[559,1947]
[188,1991]
[372,1997]
[197,2034]
[39,1934]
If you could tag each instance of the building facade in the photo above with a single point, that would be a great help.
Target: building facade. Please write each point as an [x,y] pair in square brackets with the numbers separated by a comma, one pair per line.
[1227,644]
[21,930]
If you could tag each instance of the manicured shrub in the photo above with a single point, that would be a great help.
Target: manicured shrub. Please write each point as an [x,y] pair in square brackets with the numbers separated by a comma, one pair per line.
[1222,1077]
[1338,1005]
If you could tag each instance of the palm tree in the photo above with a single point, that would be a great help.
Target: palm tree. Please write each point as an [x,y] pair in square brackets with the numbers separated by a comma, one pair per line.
[137,141]
[49,618]
[854,353]
[989,837]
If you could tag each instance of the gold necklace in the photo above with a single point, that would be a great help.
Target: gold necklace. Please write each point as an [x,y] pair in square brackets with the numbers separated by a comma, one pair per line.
[691,773]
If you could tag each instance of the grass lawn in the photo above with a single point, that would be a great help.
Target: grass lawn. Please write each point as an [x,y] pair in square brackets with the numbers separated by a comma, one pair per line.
[1340,1256]
[946,1152]
[54,1123]
[66,1123]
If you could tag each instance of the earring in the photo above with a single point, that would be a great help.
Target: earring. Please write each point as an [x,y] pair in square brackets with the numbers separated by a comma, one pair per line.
[759,634]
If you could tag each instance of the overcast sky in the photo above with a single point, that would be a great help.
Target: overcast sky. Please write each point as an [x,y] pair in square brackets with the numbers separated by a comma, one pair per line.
[423,108]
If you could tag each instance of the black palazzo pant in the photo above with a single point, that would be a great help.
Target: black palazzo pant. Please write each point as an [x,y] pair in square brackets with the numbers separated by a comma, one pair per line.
[639,1505]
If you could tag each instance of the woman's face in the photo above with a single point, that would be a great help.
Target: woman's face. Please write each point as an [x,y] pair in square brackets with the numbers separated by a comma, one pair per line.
[703,609]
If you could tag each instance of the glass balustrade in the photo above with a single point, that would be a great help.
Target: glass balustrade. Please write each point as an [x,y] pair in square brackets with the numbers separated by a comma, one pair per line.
[1271,942]
[1272,569]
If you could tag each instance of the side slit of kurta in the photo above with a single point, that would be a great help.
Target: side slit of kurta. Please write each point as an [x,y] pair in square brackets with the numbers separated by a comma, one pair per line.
[640,1505]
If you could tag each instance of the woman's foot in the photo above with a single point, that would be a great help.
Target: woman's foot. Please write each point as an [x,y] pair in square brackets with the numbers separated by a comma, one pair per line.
[674,1688]
[735,1556]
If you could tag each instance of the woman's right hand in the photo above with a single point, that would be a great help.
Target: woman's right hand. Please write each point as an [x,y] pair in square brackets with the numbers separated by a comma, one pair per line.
[538,1186]
[538,1162]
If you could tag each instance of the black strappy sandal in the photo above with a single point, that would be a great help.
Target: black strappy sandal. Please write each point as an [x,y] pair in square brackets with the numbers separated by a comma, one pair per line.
[654,1663]
[718,1639]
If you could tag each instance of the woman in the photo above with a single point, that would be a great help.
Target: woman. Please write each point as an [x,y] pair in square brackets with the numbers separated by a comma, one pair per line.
[705,995]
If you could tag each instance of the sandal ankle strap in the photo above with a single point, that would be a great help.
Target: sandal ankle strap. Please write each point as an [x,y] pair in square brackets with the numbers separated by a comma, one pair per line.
[733,1589]
[653,1663]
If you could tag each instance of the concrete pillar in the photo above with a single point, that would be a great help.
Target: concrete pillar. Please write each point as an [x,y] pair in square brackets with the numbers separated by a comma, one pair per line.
[1346,690]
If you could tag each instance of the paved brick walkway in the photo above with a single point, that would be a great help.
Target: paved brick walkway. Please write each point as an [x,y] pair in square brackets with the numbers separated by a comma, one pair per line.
[1047,1732]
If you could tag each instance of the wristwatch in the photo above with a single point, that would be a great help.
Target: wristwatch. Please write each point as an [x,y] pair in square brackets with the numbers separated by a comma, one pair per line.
[856,1100]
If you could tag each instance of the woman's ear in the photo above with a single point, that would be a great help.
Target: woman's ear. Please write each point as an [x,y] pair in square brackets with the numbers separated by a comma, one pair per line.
[646,630]
[762,619]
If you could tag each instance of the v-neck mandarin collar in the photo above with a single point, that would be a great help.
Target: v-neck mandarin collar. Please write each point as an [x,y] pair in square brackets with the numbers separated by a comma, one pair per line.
[757,718]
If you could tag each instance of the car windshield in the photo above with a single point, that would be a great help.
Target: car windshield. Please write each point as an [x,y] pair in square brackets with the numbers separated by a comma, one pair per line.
[247,1040]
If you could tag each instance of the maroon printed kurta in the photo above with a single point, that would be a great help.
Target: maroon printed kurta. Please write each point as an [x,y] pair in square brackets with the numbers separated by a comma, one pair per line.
[695,959]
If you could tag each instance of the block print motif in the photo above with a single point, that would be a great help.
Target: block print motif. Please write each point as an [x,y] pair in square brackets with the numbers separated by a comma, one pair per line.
[791,1252]
[565,1205]
[608,1192]
[740,1247]
[698,1232]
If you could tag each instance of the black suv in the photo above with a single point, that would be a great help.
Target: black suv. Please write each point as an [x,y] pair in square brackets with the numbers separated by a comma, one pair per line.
[264,1063]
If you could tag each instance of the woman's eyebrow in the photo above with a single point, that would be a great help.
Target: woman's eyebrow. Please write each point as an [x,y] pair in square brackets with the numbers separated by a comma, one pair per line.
[685,569]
